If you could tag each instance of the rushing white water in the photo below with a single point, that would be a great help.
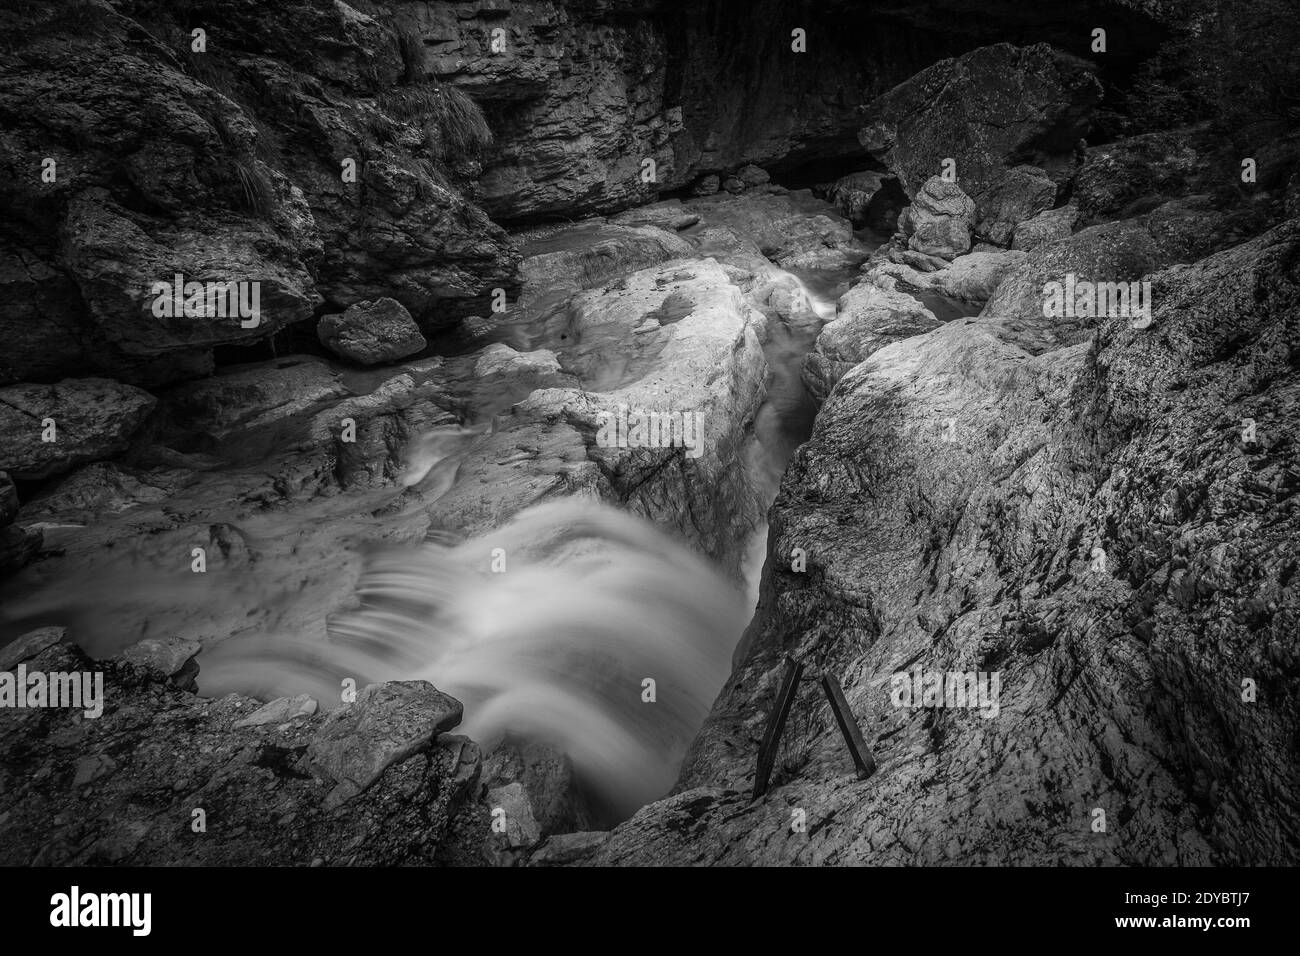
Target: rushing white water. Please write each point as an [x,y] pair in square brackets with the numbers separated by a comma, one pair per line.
[557,647]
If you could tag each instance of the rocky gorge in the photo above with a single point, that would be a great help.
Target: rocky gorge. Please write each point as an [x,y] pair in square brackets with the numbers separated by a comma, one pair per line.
[397,568]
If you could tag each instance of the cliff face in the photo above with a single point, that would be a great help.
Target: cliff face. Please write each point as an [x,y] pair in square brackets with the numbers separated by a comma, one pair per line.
[1108,526]
[337,153]
[131,156]
[582,95]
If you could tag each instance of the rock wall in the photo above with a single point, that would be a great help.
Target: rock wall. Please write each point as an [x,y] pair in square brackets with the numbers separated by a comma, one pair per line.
[1110,527]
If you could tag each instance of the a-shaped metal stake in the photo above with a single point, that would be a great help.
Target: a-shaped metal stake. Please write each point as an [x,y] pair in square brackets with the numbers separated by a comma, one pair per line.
[858,750]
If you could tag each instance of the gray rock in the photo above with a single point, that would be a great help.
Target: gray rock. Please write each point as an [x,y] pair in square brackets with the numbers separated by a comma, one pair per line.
[568,849]
[1055,453]
[281,710]
[986,109]
[1021,193]
[940,219]
[1046,227]
[245,399]
[1114,252]
[1145,170]
[18,547]
[387,723]
[752,175]
[371,332]
[29,645]
[169,658]
[555,800]
[511,805]
[93,418]
[733,185]
[972,278]
[707,185]
[870,316]
[8,500]
[90,769]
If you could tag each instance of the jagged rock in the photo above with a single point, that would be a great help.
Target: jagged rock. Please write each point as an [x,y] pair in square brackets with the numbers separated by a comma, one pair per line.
[1114,252]
[918,261]
[109,250]
[753,175]
[1047,226]
[231,171]
[675,338]
[167,658]
[939,221]
[262,804]
[972,278]
[1193,227]
[987,109]
[93,418]
[18,547]
[8,500]
[511,805]
[371,333]
[707,185]
[279,711]
[90,769]
[566,849]
[734,185]
[547,776]
[793,230]
[103,488]
[859,197]
[244,399]
[869,317]
[557,262]
[29,645]
[971,547]
[1118,178]
[1020,194]
[387,724]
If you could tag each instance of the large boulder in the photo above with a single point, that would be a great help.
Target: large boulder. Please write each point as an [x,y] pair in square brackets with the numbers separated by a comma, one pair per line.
[1047,226]
[1115,252]
[386,724]
[371,333]
[869,317]
[987,110]
[939,221]
[794,230]
[868,198]
[1136,174]
[1021,193]
[85,419]
[234,165]
[73,785]
[966,507]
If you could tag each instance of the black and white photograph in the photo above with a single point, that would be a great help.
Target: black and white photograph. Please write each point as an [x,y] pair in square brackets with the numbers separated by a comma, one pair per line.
[632,434]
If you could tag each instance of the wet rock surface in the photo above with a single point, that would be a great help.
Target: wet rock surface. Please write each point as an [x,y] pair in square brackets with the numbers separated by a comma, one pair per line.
[477,269]
[1059,536]
[200,789]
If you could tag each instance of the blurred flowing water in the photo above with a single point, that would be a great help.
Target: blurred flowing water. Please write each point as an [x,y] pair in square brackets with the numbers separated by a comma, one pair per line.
[593,602]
